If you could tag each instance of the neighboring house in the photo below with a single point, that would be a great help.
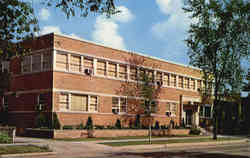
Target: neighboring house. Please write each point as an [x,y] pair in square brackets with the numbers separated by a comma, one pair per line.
[76,79]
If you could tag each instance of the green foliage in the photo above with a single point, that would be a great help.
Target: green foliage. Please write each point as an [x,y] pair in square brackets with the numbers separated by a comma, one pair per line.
[157,125]
[218,42]
[89,124]
[55,122]
[99,127]
[4,138]
[138,121]
[195,131]
[118,124]
[68,127]
[41,121]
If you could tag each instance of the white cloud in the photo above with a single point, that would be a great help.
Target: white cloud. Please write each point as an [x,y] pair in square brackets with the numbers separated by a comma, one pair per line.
[124,16]
[50,29]
[176,20]
[107,30]
[75,36]
[44,14]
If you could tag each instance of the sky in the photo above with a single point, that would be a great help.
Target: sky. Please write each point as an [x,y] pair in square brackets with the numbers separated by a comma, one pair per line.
[152,27]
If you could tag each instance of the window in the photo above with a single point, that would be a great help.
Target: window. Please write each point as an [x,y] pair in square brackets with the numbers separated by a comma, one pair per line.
[4,66]
[180,82]
[133,73]
[41,99]
[123,71]
[36,63]
[101,68]
[112,70]
[166,79]
[61,61]
[199,85]
[158,76]
[150,75]
[5,102]
[26,64]
[149,107]
[47,61]
[208,111]
[75,63]
[173,80]
[79,102]
[119,105]
[88,63]
[192,84]
[202,111]
[186,82]
[93,104]
[171,109]
[64,101]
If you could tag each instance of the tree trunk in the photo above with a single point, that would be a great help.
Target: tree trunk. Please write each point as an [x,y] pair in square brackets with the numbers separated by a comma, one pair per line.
[150,132]
[215,120]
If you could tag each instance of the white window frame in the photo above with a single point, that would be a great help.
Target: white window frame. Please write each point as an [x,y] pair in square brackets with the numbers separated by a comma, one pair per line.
[119,105]
[173,114]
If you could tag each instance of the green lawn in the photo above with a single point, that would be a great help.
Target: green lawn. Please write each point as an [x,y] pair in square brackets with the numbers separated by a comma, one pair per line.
[114,144]
[19,149]
[119,138]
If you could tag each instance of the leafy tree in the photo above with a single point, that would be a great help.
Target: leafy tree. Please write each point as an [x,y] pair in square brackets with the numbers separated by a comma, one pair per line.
[218,41]
[89,124]
[145,88]
[118,124]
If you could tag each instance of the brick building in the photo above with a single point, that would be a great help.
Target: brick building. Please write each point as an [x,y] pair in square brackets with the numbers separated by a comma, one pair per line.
[76,79]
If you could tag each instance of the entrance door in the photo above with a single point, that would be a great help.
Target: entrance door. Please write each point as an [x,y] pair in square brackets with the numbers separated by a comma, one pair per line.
[189,117]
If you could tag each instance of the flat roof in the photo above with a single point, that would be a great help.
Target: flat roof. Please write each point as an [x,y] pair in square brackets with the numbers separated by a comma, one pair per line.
[124,50]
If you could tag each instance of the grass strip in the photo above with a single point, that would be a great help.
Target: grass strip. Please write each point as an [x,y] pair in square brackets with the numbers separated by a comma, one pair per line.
[20,149]
[171,141]
[119,138]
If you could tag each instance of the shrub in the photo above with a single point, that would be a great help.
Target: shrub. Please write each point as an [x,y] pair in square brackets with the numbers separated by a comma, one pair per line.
[138,121]
[118,124]
[157,126]
[80,126]
[89,124]
[41,121]
[110,127]
[55,122]
[195,131]
[4,138]
[68,127]
[164,127]
[99,127]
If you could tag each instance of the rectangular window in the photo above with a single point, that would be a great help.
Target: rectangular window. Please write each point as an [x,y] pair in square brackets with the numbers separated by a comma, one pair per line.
[79,102]
[171,109]
[198,84]
[158,76]
[119,105]
[26,64]
[36,63]
[4,66]
[75,63]
[123,71]
[166,81]
[64,101]
[208,111]
[93,104]
[133,73]
[186,82]
[180,82]
[88,63]
[101,68]
[192,84]
[62,61]
[47,61]
[112,69]
[173,80]
[150,75]
[142,73]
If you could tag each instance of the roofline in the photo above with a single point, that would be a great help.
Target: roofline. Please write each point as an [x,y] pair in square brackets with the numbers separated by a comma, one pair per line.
[124,50]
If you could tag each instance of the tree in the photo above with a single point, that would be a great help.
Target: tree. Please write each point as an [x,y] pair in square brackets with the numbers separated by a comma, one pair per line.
[144,89]
[218,41]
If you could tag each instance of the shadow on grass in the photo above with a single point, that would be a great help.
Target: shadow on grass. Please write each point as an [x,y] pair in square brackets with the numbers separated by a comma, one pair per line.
[178,155]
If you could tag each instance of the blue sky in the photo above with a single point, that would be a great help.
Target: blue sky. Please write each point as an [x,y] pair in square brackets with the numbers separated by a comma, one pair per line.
[151,27]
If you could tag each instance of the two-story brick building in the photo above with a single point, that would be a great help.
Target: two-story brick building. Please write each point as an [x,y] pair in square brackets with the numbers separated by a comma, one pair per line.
[76,79]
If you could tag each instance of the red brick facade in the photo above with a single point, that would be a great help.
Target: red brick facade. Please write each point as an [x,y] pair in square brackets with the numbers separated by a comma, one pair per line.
[52,82]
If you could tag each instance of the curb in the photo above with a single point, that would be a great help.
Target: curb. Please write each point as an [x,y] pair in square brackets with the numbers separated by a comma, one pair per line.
[27,154]
[157,146]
